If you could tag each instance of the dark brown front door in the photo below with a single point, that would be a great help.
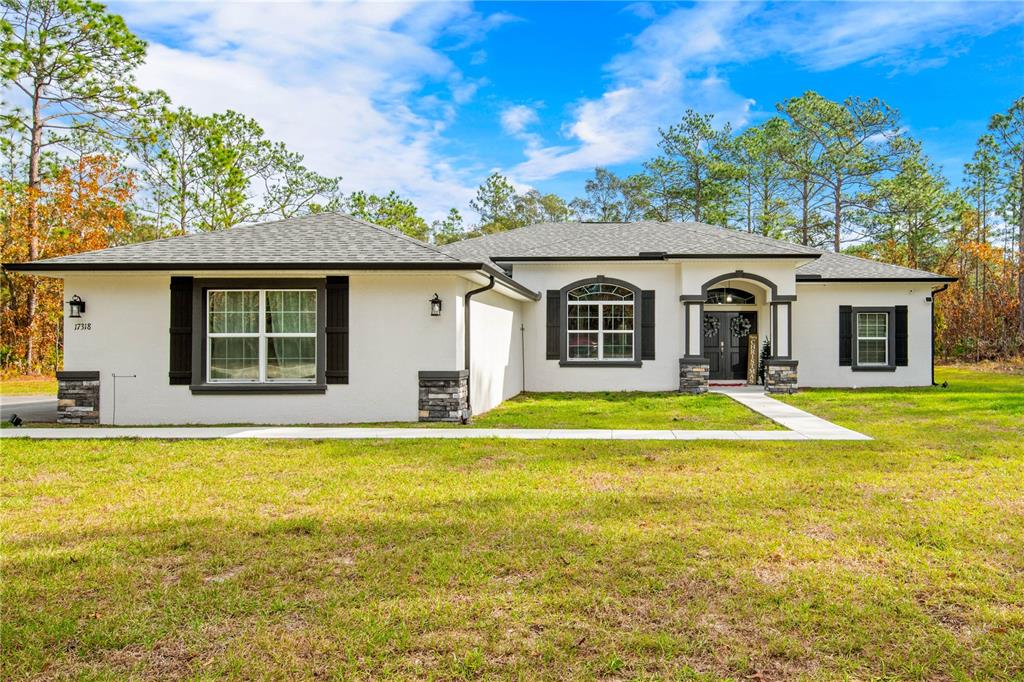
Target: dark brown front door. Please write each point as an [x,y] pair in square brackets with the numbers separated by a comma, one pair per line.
[727,353]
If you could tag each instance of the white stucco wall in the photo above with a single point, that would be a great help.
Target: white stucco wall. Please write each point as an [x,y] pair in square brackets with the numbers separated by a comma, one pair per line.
[392,338]
[816,332]
[660,374]
[496,349]
[695,272]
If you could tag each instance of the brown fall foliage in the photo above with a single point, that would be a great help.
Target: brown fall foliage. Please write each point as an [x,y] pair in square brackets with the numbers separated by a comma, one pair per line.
[976,318]
[81,208]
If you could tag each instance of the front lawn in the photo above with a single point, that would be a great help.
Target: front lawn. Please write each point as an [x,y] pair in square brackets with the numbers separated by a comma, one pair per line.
[29,384]
[899,558]
[623,410]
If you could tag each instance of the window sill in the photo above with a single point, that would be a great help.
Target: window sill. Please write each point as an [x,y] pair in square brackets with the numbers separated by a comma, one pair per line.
[600,363]
[874,368]
[249,389]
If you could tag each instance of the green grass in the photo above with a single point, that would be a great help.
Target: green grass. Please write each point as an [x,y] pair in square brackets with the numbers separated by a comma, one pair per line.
[604,410]
[899,558]
[623,410]
[28,385]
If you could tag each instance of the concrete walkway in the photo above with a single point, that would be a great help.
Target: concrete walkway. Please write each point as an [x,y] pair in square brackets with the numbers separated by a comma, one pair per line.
[801,425]
[787,416]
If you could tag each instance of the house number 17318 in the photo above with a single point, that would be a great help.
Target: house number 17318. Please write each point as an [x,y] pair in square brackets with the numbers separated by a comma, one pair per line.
[83,326]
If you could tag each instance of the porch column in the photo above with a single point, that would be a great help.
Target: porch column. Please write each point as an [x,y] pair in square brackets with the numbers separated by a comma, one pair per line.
[781,370]
[693,367]
[782,330]
[693,332]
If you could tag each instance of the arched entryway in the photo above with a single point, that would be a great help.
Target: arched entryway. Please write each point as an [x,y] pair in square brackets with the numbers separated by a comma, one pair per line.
[729,320]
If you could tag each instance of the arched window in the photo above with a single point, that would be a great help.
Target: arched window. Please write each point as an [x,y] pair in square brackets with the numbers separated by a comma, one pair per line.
[600,320]
[730,296]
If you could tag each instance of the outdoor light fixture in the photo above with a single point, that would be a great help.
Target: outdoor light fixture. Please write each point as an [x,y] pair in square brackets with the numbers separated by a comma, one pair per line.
[435,306]
[77,306]
[728,292]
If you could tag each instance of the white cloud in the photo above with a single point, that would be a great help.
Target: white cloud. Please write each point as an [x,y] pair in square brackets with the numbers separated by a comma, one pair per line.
[362,90]
[516,118]
[670,67]
[892,33]
[675,63]
[644,10]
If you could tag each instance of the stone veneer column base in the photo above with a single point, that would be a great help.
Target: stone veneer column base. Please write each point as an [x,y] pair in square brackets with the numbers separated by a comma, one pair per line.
[780,376]
[444,396]
[693,375]
[78,397]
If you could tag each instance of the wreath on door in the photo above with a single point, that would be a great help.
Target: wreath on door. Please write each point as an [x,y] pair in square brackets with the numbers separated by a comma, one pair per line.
[740,327]
[710,326]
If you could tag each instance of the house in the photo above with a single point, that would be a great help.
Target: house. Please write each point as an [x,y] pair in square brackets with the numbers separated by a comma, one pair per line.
[329,319]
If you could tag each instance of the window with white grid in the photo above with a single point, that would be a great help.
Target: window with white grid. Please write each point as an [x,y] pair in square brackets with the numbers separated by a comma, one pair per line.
[600,322]
[261,335]
[872,339]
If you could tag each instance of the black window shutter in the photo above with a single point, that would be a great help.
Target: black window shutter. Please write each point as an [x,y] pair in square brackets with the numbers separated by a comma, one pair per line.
[181,331]
[845,335]
[337,330]
[901,336]
[646,325]
[554,333]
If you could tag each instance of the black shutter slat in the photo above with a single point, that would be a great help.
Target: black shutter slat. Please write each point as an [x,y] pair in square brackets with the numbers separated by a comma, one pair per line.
[901,336]
[647,325]
[845,335]
[337,330]
[181,331]
[554,333]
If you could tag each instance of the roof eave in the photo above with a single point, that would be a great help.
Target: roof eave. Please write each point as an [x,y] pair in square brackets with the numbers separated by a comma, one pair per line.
[651,257]
[56,269]
[44,266]
[819,278]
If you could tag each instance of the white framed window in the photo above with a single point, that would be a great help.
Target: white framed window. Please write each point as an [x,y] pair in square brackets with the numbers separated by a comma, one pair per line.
[261,335]
[872,339]
[600,322]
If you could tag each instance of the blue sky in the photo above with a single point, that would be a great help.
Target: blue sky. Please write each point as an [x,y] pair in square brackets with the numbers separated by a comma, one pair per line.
[428,98]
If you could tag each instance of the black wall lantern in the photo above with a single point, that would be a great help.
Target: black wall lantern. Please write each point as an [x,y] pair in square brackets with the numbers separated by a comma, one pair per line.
[77,306]
[435,306]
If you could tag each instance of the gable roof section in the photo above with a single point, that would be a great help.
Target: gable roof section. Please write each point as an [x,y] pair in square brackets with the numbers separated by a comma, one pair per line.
[624,241]
[651,240]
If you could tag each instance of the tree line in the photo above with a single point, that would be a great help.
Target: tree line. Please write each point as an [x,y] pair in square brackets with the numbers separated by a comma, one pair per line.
[92,160]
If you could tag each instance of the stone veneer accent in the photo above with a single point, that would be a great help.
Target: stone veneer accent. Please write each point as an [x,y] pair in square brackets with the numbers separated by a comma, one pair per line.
[444,396]
[693,375]
[78,397]
[780,376]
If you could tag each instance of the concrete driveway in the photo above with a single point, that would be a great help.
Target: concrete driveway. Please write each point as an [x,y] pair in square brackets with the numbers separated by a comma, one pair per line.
[31,408]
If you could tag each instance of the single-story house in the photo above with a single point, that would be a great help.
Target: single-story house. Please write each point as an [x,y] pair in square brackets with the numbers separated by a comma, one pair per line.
[330,319]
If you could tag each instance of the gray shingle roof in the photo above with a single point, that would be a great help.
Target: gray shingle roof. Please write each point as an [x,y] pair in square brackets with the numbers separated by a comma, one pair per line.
[841,266]
[624,240]
[629,240]
[338,239]
[327,238]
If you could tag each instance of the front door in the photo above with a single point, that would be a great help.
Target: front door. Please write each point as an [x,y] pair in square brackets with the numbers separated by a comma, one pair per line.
[726,352]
